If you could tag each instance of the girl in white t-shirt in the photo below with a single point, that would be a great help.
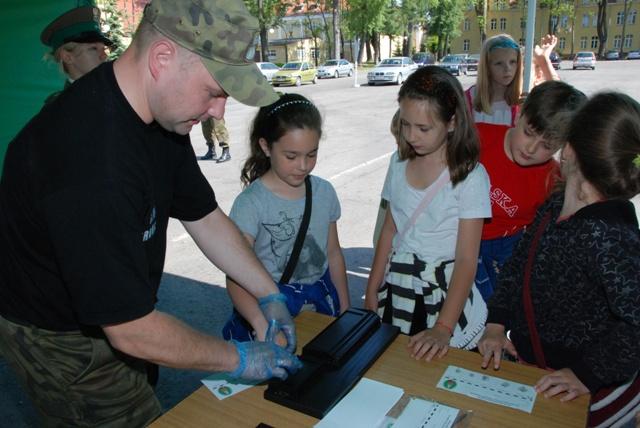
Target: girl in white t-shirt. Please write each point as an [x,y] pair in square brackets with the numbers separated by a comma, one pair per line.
[425,262]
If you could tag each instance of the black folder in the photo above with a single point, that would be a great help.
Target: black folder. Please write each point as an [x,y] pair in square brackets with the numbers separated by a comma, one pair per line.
[333,362]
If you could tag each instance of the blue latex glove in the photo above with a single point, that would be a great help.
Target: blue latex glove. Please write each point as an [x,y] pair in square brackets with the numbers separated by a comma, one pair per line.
[263,360]
[274,308]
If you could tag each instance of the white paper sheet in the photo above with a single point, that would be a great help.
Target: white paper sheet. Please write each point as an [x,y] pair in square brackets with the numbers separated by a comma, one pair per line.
[365,406]
[488,388]
[422,413]
[222,386]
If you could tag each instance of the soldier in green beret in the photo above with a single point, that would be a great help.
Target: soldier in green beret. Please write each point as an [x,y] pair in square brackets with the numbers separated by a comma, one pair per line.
[77,42]
[86,193]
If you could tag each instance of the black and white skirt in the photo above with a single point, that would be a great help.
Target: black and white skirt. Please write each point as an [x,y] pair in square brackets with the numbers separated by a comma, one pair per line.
[414,292]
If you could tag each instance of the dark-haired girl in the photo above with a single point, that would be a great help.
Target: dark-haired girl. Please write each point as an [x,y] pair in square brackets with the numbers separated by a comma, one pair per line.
[269,211]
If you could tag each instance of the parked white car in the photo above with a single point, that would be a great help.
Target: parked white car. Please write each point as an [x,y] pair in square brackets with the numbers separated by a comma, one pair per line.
[335,68]
[268,69]
[392,70]
[584,60]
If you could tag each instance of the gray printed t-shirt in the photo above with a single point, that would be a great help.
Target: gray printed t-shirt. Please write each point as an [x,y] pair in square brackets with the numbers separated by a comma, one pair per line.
[273,222]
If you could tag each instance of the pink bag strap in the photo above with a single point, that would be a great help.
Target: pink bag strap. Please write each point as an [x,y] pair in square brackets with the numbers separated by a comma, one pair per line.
[431,192]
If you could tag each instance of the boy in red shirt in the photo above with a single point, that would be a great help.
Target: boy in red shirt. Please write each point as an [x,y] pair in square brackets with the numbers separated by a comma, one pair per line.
[522,171]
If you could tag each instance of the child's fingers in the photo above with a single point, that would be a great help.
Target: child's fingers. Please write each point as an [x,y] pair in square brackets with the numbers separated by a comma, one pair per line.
[433,351]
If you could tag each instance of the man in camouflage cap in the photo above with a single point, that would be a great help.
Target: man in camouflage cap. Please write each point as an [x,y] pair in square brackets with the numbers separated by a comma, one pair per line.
[86,193]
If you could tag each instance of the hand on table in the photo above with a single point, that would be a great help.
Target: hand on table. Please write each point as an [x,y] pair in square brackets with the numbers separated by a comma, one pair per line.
[429,343]
[263,360]
[492,343]
[563,380]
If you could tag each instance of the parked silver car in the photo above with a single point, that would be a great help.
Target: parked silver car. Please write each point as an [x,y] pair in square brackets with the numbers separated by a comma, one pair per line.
[335,68]
[268,69]
[584,59]
[392,70]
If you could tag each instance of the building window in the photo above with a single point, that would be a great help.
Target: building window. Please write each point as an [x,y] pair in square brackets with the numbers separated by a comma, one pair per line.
[594,42]
[554,21]
[631,19]
[467,24]
[617,42]
[564,21]
[583,42]
[628,40]
[315,53]
[465,45]
[585,20]
[494,23]
[272,53]
[620,18]
[503,24]
[594,22]
[562,43]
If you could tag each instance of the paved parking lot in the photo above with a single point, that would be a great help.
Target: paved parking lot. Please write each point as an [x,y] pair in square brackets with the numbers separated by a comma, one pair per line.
[354,154]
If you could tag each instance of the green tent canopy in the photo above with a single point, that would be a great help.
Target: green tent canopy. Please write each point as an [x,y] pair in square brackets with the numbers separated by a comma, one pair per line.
[26,77]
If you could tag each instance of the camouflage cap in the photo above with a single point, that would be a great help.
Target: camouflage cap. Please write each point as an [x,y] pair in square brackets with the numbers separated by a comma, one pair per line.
[223,33]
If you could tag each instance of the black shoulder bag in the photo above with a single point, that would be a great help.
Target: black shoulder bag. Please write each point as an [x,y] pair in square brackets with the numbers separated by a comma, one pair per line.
[302,233]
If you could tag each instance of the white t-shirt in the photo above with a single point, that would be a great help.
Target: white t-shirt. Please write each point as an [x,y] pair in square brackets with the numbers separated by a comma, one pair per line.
[501,112]
[433,237]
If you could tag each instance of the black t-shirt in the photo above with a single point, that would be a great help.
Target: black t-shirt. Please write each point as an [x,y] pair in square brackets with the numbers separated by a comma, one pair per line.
[85,197]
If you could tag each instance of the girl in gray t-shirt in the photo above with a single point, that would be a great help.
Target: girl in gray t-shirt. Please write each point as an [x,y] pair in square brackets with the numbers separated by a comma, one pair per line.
[269,211]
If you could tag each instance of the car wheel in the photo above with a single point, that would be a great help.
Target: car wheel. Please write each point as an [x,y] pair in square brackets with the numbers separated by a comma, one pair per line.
[575,68]
[371,84]
[593,68]
[350,73]
[336,75]
[298,81]
[315,80]
[399,79]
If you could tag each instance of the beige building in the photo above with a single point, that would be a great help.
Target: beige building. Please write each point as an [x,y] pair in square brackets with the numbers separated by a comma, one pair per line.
[293,39]
[574,33]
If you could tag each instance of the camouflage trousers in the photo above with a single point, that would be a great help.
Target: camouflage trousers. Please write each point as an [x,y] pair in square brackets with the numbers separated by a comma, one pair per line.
[215,130]
[77,380]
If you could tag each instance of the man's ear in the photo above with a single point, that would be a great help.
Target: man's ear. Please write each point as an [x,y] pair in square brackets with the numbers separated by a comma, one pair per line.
[162,54]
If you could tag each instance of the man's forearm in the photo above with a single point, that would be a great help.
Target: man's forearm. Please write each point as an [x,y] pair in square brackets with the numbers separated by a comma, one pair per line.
[162,339]
[222,242]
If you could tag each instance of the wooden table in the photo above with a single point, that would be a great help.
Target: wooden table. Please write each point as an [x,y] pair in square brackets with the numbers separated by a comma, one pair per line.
[395,367]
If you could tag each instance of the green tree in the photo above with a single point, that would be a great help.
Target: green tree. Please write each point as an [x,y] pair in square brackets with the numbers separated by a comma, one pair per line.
[392,24]
[414,13]
[447,15]
[602,26]
[364,17]
[269,14]
[112,18]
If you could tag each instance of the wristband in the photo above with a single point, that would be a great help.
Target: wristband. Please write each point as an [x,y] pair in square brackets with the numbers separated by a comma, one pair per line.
[446,327]
[242,359]
[275,297]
